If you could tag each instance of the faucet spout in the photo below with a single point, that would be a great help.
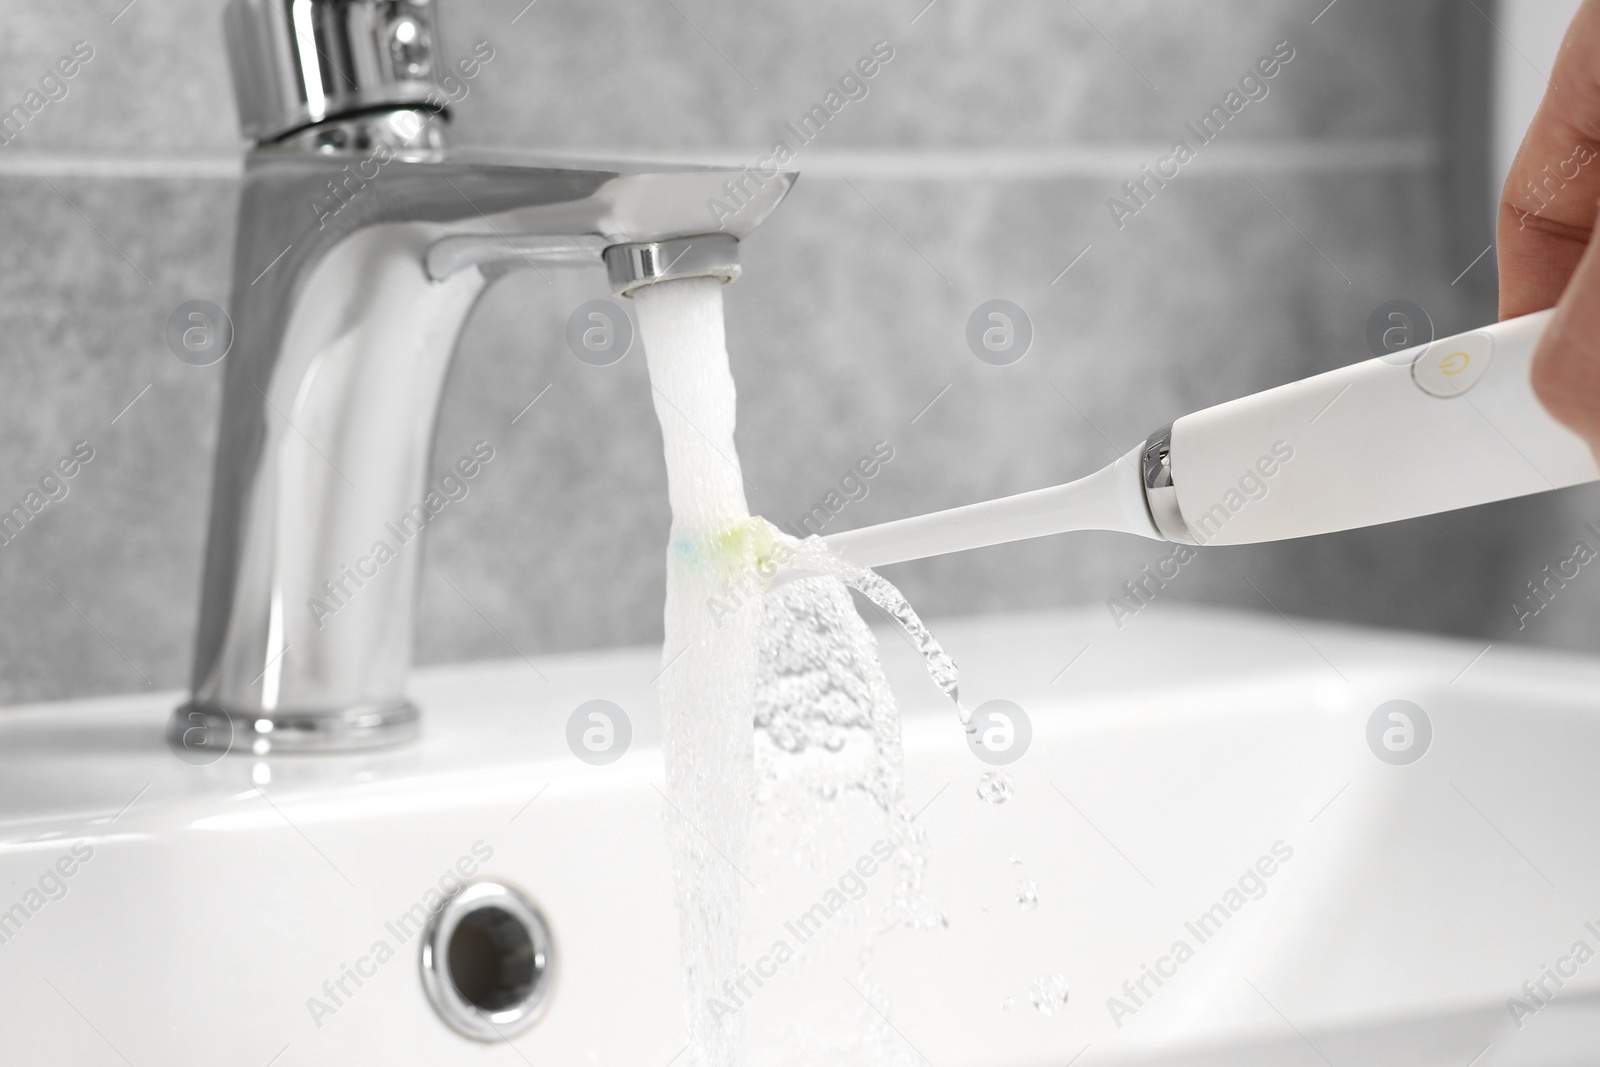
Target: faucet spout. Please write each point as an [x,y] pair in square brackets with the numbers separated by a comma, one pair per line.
[363,244]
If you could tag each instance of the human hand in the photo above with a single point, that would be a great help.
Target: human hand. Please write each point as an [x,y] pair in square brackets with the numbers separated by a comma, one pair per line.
[1547,219]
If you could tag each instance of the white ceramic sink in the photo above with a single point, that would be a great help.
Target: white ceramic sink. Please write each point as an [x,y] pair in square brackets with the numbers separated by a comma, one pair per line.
[1167,759]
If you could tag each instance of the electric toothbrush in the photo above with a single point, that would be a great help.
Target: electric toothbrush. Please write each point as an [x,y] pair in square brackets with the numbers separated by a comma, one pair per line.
[1440,426]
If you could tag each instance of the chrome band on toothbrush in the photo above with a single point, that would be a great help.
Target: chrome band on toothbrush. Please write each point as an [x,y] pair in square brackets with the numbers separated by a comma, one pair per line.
[711,255]
[1160,495]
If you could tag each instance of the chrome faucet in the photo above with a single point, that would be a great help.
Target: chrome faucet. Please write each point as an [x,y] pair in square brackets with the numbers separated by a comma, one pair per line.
[363,243]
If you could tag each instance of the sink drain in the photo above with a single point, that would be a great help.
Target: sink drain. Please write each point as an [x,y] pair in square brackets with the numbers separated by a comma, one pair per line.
[488,962]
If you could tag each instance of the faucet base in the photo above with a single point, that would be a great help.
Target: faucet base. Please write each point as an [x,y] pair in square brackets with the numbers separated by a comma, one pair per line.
[203,732]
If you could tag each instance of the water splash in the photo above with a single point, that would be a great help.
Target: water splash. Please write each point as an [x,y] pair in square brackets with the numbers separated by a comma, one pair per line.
[994,787]
[820,685]
[1049,994]
[823,762]
[813,555]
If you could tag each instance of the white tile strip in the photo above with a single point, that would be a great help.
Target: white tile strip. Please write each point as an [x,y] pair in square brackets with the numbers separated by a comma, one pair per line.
[1267,156]
[214,165]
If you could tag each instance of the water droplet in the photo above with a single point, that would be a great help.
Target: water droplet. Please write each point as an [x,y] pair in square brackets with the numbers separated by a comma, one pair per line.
[1008,1003]
[1028,894]
[1016,859]
[1049,994]
[994,787]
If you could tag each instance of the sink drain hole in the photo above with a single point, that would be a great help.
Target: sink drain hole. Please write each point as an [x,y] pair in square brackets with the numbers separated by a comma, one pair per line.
[493,963]
[488,962]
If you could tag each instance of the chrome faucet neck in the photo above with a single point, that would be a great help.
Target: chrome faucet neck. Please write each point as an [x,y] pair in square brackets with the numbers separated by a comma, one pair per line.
[408,132]
[363,243]
[296,63]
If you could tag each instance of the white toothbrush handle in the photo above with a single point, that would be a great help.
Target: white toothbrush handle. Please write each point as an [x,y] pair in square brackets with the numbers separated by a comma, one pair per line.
[1438,427]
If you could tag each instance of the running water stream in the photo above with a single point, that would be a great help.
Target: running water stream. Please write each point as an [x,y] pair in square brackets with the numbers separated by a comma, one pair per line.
[781,741]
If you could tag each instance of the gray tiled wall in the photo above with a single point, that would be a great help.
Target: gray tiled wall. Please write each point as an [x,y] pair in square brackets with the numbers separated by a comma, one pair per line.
[978,166]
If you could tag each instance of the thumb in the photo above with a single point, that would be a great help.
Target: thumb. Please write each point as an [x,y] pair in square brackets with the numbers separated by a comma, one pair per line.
[1566,365]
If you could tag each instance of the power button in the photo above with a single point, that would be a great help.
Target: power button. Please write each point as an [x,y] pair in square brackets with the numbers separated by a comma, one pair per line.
[1452,366]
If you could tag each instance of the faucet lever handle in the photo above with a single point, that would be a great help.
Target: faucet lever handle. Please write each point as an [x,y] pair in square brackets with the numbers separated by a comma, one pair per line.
[448,255]
[628,265]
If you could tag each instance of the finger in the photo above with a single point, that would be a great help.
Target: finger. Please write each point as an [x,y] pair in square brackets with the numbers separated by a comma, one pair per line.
[1566,365]
[1548,204]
